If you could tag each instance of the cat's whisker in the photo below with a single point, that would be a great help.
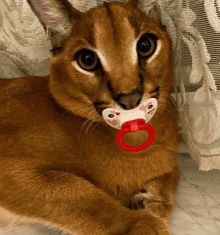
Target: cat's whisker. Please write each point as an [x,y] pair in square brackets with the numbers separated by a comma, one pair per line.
[170,103]
[90,125]
[88,119]
[164,107]
[85,133]
[83,107]
[91,121]
[81,129]
[97,122]
[86,122]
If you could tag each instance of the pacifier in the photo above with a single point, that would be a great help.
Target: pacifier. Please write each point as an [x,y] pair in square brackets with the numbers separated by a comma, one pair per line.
[131,121]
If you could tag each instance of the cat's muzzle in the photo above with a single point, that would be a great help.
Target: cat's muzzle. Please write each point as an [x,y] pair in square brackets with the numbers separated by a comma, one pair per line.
[131,121]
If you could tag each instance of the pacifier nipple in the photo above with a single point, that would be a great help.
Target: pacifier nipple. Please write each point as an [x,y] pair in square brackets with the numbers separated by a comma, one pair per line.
[131,121]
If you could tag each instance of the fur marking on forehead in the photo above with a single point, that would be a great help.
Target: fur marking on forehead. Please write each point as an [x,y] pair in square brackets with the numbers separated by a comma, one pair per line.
[115,39]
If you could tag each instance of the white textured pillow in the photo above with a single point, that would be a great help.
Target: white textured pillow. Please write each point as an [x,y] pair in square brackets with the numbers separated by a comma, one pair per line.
[24,48]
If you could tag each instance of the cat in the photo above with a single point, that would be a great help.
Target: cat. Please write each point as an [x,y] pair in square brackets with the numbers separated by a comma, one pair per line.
[59,169]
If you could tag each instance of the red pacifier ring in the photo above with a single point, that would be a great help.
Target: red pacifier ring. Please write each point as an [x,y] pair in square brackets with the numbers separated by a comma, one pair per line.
[133,126]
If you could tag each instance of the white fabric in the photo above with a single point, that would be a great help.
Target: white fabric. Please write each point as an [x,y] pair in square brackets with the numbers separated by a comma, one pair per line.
[194,27]
[197,71]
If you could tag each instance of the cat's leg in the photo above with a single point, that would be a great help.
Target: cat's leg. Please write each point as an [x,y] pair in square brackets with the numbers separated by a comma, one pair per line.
[49,194]
[156,195]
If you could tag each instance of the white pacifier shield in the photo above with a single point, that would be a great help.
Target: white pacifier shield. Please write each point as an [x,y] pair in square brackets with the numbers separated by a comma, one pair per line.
[116,118]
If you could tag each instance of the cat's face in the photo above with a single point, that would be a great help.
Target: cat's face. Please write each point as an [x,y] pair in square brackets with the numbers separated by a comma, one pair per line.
[116,56]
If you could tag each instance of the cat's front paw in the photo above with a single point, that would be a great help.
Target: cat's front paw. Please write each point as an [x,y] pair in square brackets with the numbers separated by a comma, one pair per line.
[137,202]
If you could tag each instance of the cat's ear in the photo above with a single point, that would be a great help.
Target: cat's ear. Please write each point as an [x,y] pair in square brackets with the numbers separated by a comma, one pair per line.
[150,7]
[57,18]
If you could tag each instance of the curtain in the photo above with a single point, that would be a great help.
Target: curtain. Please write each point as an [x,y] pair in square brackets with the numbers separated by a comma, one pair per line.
[195,29]
[194,26]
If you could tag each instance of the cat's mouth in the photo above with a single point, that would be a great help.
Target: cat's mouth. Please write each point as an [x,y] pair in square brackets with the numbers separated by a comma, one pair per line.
[101,105]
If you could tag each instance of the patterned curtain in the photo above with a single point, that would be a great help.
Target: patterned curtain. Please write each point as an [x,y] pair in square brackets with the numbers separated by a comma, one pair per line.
[194,26]
[195,30]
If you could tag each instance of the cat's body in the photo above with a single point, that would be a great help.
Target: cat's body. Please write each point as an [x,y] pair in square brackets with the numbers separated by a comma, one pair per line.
[54,169]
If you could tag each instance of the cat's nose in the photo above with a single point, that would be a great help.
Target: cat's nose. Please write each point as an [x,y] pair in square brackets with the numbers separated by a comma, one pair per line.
[129,101]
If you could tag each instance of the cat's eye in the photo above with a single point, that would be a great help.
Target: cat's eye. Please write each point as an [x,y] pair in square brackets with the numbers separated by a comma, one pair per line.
[146,46]
[87,60]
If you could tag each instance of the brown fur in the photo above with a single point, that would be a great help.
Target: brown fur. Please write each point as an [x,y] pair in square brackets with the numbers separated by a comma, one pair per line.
[54,171]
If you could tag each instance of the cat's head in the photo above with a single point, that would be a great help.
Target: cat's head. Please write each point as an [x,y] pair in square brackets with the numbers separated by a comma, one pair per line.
[115,55]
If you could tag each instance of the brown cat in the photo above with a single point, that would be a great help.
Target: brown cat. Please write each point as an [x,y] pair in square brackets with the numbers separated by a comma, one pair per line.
[56,171]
